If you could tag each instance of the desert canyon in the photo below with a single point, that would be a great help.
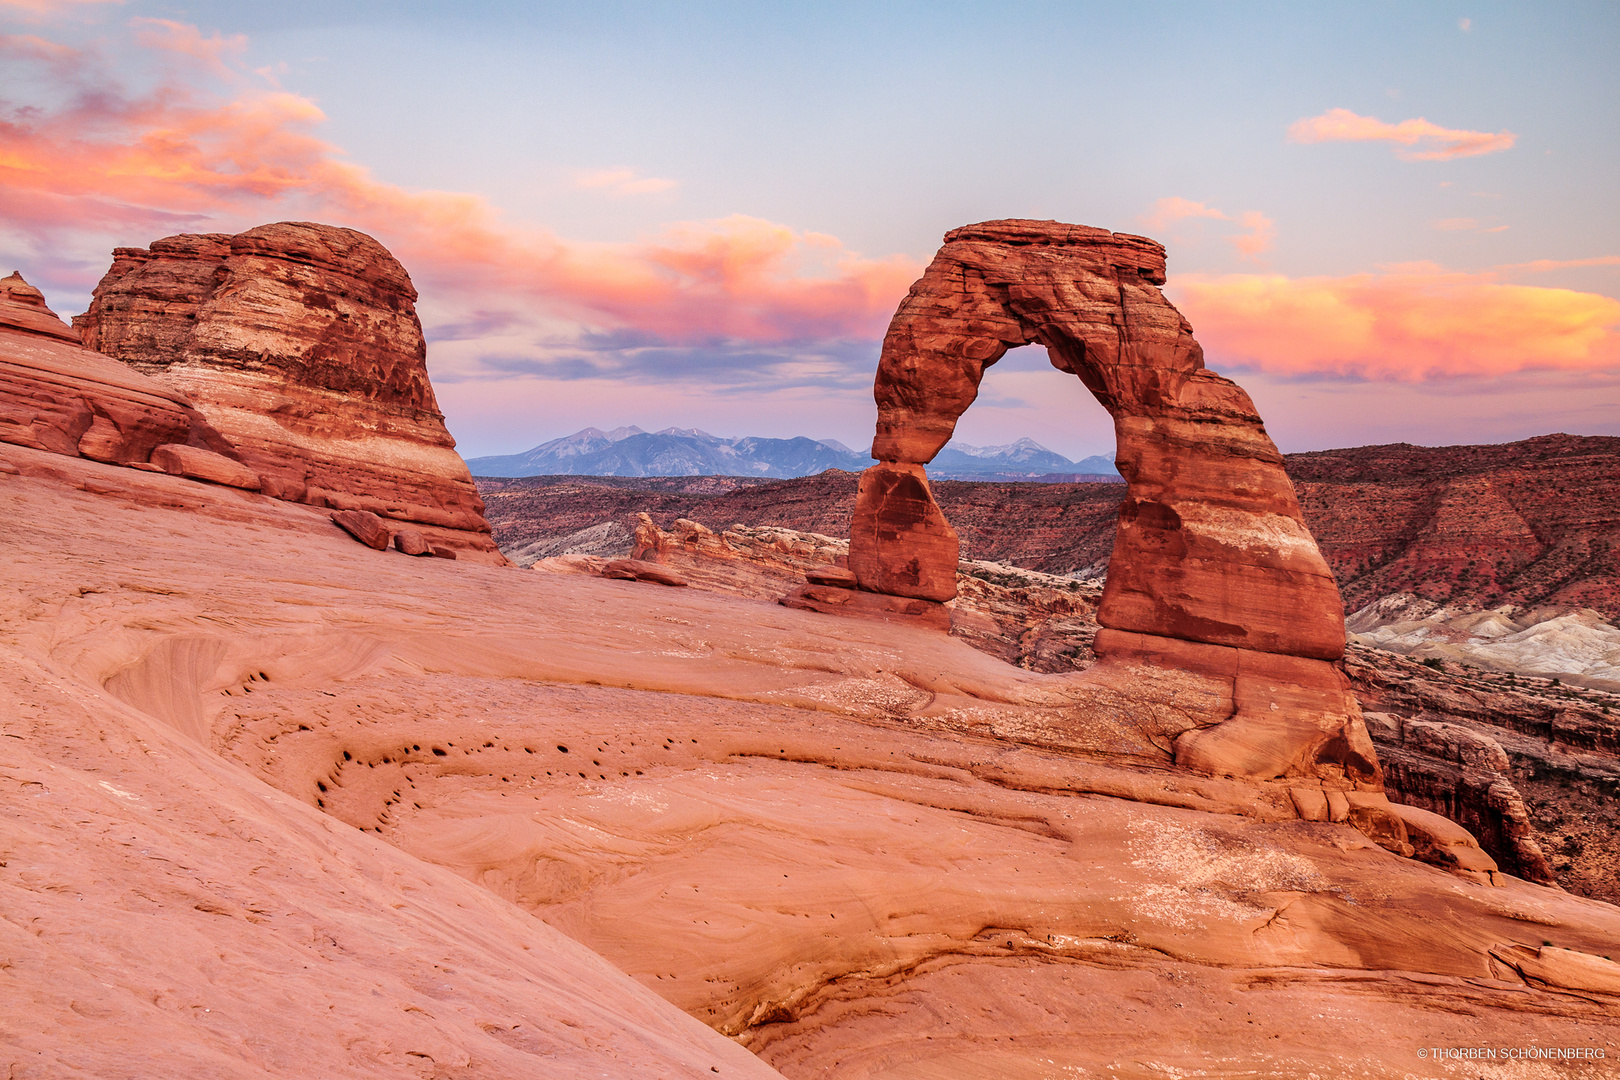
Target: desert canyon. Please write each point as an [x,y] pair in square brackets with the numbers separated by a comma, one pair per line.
[282,799]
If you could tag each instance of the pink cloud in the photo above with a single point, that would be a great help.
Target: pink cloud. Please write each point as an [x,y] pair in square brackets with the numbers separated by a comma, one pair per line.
[622,182]
[1406,324]
[186,40]
[40,10]
[1166,212]
[1432,142]
[1258,238]
[33,47]
[1262,231]
[135,163]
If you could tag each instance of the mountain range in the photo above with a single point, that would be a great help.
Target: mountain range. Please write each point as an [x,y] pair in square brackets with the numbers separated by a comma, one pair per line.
[630,451]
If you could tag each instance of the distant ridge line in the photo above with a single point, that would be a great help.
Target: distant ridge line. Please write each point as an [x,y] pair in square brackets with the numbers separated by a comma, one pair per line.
[631,451]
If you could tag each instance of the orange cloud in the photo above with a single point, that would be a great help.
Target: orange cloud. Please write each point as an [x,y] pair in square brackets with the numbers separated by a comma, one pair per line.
[622,182]
[1540,266]
[1407,324]
[1433,142]
[173,157]
[1250,245]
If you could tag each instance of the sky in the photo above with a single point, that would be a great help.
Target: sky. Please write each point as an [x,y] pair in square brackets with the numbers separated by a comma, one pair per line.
[1389,222]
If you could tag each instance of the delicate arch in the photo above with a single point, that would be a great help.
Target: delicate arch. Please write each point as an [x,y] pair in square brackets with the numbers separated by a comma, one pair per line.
[1210,546]
[1215,582]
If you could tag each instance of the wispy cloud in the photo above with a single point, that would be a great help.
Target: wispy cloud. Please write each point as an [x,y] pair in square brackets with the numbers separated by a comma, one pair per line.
[210,52]
[1260,231]
[631,358]
[1259,237]
[1539,266]
[622,182]
[181,155]
[1166,212]
[1424,141]
[1408,323]
[40,10]
[34,47]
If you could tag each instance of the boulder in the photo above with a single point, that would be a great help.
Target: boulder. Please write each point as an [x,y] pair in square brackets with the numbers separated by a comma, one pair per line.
[831,575]
[1443,842]
[364,526]
[640,570]
[1569,969]
[834,600]
[301,344]
[411,542]
[195,463]
[587,565]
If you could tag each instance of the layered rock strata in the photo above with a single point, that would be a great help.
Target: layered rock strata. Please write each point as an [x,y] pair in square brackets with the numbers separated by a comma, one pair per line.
[301,344]
[58,396]
[1529,524]
[1213,572]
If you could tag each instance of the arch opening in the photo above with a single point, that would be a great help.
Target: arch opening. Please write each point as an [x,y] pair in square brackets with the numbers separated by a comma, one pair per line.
[1026,395]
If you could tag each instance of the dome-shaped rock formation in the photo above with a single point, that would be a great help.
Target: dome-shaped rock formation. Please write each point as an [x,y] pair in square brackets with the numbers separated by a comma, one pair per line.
[1215,587]
[300,342]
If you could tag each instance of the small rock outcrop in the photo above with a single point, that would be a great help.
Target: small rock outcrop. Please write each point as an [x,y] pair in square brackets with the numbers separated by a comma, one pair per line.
[300,343]
[1213,573]
[58,396]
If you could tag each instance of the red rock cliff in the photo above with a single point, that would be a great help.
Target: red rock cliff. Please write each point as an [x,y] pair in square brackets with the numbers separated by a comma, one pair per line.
[300,343]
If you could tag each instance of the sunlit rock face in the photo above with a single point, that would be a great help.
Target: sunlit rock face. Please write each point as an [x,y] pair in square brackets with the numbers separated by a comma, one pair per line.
[300,342]
[1213,574]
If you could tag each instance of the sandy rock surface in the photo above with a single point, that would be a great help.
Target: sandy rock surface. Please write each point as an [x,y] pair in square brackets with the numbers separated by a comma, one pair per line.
[279,804]
[164,913]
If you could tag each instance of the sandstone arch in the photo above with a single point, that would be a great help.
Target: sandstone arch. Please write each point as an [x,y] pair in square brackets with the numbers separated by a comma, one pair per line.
[1214,572]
